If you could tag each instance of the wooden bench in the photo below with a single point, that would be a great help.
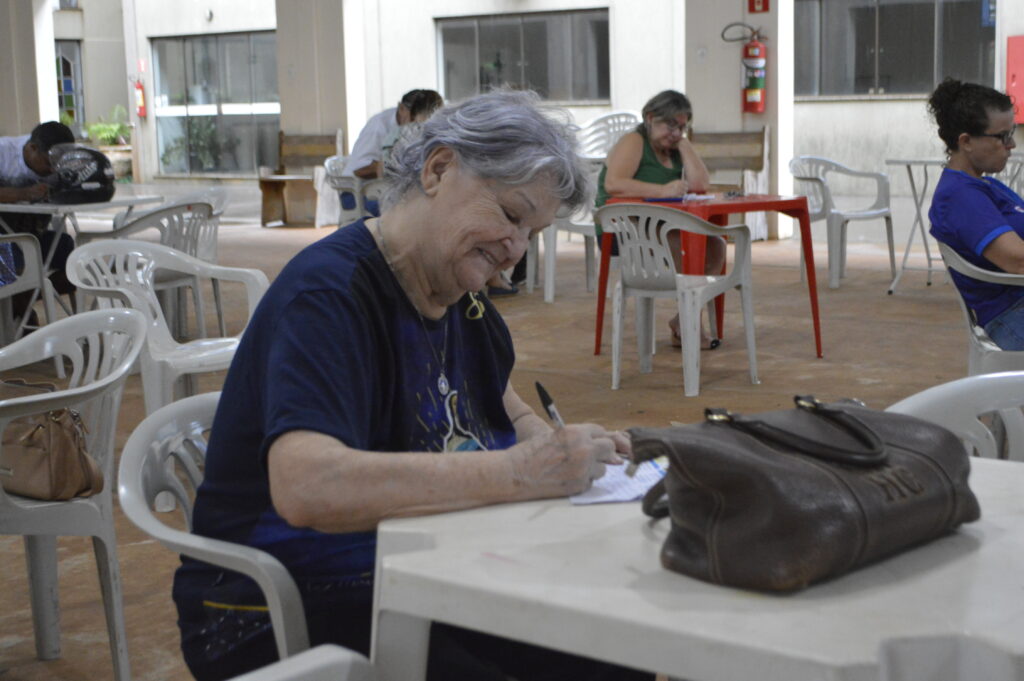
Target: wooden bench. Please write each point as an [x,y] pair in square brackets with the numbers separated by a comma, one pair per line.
[733,152]
[743,156]
[289,197]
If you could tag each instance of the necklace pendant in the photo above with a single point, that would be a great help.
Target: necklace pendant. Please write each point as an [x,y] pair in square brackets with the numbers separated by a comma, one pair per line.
[442,384]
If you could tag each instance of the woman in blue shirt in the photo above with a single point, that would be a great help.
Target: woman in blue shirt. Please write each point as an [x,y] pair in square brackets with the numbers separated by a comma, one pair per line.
[978,216]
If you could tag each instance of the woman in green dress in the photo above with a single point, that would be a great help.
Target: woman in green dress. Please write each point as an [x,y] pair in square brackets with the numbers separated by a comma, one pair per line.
[658,161]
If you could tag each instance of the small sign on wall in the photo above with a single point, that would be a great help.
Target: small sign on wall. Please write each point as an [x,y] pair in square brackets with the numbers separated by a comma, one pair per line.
[755,6]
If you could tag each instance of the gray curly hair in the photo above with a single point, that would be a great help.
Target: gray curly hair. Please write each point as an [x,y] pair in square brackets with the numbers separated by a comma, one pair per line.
[504,135]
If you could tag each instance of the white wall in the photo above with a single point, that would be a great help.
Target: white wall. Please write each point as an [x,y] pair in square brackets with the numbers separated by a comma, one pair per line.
[391,47]
[97,23]
[26,65]
[310,66]
[714,80]
[192,17]
[864,133]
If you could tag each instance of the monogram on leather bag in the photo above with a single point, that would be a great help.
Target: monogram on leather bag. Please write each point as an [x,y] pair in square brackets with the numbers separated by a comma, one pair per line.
[779,500]
[44,456]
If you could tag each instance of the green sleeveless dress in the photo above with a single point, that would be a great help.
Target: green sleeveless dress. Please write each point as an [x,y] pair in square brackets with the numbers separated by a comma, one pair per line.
[650,170]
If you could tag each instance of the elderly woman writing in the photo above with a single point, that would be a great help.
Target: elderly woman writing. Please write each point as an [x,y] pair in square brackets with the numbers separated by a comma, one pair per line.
[657,161]
[373,383]
[980,217]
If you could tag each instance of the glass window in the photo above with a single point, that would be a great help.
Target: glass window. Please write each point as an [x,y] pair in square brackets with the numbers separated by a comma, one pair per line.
[849,47]
[217,107]
[69,83]
[561,55]
[458,59]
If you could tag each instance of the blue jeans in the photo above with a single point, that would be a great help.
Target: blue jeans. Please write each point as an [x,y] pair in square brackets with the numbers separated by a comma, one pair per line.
[1007,329]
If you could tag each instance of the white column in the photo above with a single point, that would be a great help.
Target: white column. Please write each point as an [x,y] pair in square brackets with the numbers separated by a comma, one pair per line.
[311,76]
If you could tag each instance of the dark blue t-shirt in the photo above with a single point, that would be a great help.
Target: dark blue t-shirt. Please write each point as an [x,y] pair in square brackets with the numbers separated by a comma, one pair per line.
[968,214]
[336,347]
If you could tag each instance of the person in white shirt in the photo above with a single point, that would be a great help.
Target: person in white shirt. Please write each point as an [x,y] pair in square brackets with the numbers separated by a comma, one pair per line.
[24,171]
[365,160]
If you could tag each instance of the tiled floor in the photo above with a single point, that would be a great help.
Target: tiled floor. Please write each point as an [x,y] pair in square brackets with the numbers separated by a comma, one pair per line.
[879,348]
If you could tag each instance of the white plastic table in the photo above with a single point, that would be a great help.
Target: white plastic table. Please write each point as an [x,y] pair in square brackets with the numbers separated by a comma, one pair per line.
[587,580]
[63,214]
[918,195]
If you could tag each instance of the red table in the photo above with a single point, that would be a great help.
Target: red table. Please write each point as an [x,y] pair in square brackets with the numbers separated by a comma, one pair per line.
[716,211]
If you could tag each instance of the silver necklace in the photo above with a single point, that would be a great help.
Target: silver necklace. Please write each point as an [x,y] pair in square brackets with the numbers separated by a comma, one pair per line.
[443,386]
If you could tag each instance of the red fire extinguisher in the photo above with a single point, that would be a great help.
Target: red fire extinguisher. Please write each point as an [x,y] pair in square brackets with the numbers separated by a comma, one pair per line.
[140,99]
[755,65]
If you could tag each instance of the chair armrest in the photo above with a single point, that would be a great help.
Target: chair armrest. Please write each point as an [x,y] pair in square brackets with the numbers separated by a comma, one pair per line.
[255,281]
[287,615]
[956,262]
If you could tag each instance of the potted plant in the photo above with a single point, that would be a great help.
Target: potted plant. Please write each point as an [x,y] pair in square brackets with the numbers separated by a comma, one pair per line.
[113,138]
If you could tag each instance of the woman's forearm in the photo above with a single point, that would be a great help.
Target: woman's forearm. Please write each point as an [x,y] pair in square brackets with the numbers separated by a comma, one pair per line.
[694,171]
[317,482]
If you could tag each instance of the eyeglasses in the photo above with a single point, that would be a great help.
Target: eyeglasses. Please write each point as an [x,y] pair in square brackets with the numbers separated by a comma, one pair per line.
[673,125]
[1005,137]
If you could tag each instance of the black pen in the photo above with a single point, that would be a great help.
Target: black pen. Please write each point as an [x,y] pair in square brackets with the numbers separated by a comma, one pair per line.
[549,405]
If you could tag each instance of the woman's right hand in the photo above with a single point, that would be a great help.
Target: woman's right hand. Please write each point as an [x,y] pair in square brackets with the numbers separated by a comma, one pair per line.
[673,189]
[563,463]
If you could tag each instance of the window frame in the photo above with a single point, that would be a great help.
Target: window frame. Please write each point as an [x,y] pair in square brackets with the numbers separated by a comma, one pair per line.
[440,21]
[219,113]
[78,87]
[875,92]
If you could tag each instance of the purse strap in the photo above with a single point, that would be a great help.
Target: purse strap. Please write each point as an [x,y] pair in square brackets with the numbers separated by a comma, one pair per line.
[870,453]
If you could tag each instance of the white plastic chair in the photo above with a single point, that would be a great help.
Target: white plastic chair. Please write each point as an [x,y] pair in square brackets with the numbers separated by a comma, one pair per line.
[350,184]
[598,135]
[647,271]
[959,406]
[101,347]
[812,178]
[176,435]
[190,227]
[983,355]
[581,222]
[32,278]
[327,662]
[122,272]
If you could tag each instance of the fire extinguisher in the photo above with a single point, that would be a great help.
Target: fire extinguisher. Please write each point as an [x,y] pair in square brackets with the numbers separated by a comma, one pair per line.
[755,65]
[140,99]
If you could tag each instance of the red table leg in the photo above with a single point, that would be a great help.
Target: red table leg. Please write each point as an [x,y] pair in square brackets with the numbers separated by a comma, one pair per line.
[812,281]
[607,239]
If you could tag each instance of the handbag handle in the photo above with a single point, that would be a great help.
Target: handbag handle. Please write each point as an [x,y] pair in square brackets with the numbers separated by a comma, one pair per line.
[871,453]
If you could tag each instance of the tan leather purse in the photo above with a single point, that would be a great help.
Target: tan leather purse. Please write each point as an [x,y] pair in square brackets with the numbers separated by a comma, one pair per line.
[779,500]
[43,456]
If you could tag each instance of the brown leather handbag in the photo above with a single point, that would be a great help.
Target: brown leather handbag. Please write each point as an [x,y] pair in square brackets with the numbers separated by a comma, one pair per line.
[44,456]
[779,500]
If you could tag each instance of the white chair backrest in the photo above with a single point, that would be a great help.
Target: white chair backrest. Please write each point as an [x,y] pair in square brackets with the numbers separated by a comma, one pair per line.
[645,260]
[101,347]
[188,227]
[599,135]
[121,271]
[810,175]
[334,165]
[966,407]
[645,257]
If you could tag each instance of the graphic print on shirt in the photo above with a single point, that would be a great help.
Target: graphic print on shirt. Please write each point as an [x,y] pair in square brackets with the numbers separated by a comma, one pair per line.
[451,422]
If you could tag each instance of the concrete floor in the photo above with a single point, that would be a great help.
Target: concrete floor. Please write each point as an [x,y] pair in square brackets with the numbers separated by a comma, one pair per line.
[878,348]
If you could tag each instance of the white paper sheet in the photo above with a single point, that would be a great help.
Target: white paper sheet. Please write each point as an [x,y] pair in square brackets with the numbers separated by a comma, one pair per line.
[616,486]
